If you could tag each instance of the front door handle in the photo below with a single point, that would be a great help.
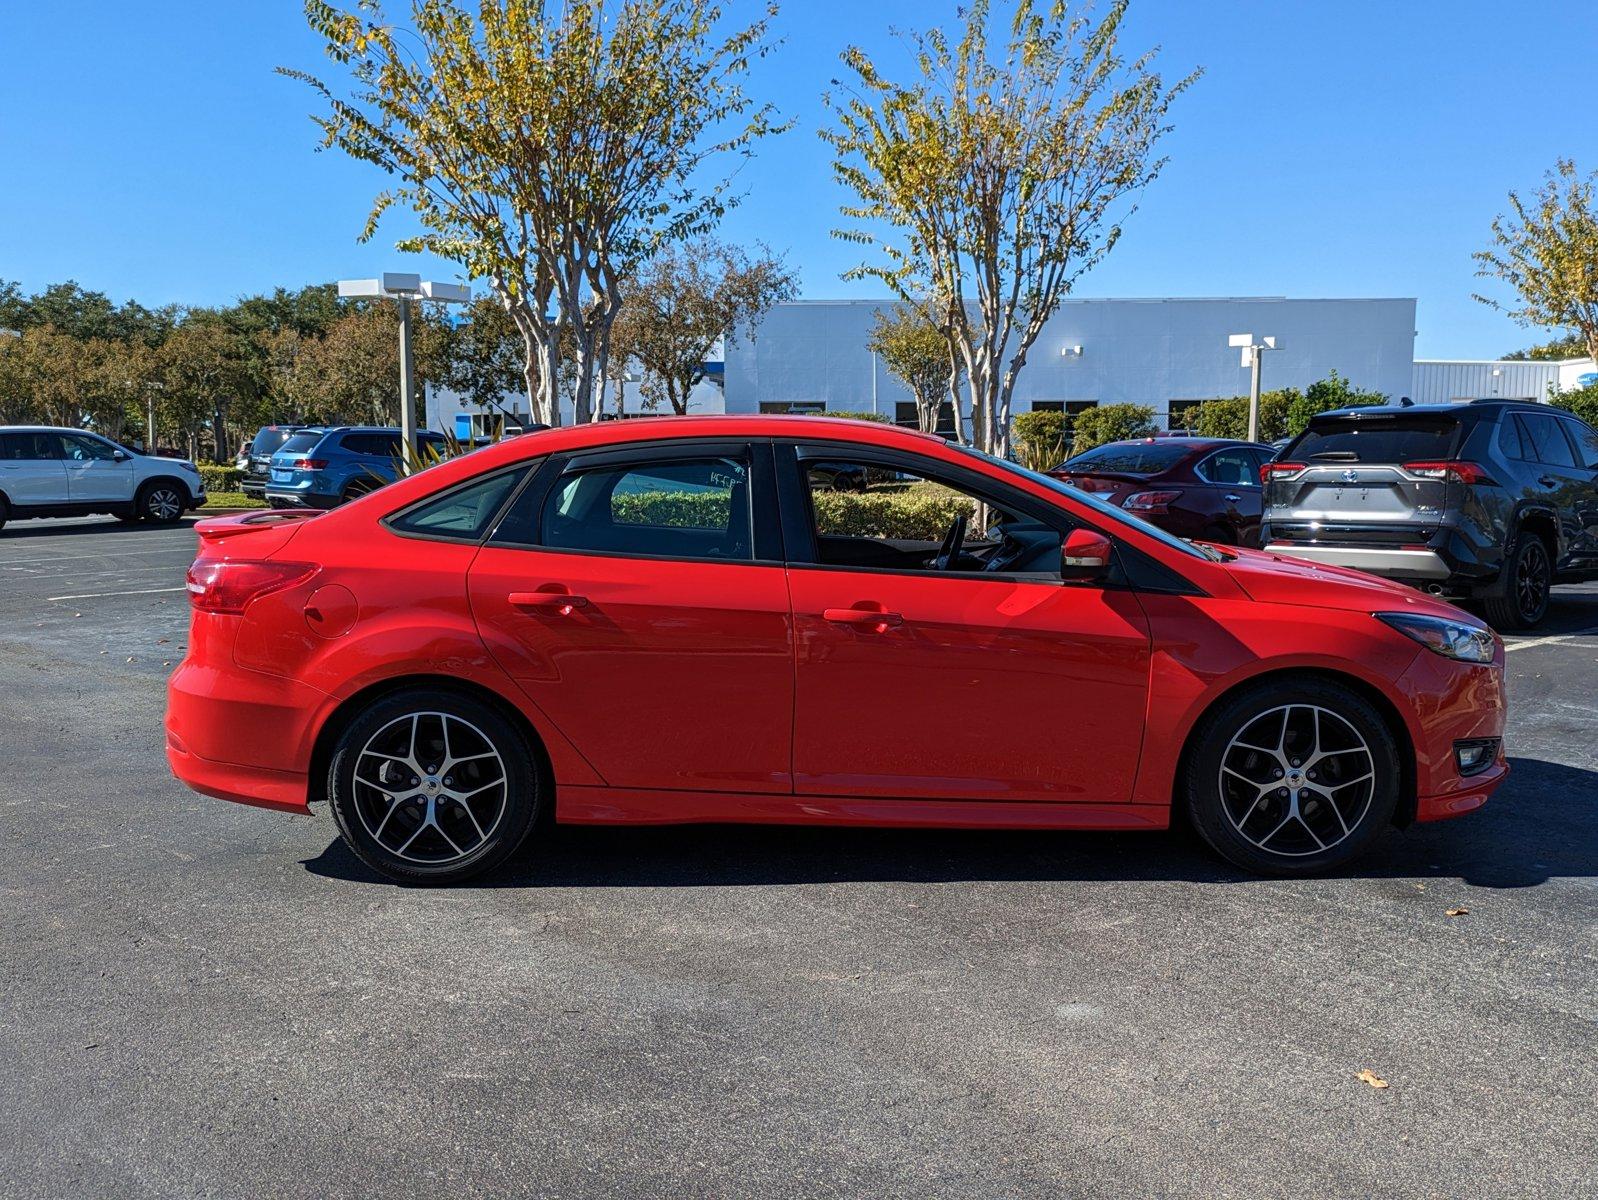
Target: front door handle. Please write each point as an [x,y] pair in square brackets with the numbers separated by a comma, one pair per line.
[1549,481]
[1233,497]
[873,619]
[562,603]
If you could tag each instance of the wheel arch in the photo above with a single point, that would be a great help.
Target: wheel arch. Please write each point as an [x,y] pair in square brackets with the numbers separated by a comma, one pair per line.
[1544,522]
[352,705]
[1403,814]
[146,484]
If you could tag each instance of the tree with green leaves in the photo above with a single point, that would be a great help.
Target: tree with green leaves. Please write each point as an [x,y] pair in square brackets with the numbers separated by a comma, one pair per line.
[685,299]
[1546,249]
[1572,345]
[989,183]
[550,149]
[205,369]
[918,355]
[1110,423]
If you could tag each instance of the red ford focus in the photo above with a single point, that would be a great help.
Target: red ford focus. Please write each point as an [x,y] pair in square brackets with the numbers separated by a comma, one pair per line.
[687,620]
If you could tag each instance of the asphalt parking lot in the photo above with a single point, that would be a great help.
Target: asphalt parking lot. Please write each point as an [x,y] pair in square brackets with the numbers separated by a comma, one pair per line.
[200,999]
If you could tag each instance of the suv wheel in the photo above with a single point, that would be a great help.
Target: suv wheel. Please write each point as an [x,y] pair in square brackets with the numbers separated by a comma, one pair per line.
[1531,574]
[430,787]
[160,503]
[4,512]
[1293,777]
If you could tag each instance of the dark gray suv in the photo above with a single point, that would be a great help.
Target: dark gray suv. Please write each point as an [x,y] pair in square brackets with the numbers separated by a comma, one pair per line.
[1486,500]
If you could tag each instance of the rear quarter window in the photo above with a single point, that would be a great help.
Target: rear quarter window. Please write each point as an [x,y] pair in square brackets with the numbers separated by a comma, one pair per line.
[299,443]
[1378,440]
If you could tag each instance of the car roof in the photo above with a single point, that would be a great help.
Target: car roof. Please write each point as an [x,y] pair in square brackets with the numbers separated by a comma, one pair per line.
[47,429]
[1189,441]
[1462,409]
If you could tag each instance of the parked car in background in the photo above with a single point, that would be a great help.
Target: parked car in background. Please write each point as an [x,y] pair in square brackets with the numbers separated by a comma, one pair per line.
[1207,489]
[52,472]
[451,659]
[323,468]
[1489,500]
[258,457]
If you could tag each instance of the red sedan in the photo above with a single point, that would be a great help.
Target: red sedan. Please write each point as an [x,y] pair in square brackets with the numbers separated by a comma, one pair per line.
[685,620]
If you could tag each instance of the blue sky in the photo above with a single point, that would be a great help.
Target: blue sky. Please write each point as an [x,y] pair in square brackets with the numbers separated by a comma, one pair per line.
[1357,148]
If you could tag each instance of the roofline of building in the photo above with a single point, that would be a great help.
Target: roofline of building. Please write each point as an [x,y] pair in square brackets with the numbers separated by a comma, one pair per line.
[1505,362]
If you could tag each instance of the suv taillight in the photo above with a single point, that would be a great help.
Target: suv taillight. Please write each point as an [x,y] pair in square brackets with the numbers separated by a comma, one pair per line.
[218,585]
[1279,470]
[1459,472]
[308,464]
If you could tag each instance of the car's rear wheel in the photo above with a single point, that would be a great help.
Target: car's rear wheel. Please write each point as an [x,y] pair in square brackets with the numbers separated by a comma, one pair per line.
[1292,777]
[5,512]
[430,787]
[160,502]
[1531,573]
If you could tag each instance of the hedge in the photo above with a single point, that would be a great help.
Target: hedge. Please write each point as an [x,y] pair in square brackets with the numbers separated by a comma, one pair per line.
[915,515]
[220,478]
[1581,401]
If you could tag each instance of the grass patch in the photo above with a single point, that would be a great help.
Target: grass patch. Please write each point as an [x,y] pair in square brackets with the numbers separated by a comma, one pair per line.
[231,500]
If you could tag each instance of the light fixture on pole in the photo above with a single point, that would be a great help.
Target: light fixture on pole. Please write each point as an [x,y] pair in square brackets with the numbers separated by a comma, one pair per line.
[403,288]
[1251,353]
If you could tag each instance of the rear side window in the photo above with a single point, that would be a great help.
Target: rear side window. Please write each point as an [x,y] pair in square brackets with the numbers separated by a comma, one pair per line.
[682,508]
[1239,468]
[1547,443]
[464,512]
[1378,440]
[1586,440]
[374,445]
[269,441]
[25,446]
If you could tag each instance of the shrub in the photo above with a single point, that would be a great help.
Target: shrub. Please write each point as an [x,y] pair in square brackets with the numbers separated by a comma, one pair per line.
[880,418]
[220,478]
[1324,395]
[1228,418]
[1040,439]
[1583,402]
[1110,423]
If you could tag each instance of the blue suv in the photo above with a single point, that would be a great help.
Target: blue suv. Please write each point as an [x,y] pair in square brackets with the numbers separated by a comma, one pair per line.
[322,468]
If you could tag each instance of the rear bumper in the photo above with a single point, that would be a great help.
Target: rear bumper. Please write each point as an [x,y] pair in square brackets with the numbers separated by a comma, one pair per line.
[285,791]
[1425,565]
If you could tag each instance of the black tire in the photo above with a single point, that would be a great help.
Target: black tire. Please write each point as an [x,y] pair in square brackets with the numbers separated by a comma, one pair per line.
[161,502]
[5,512]
[1531,575]
[449,851]
[1333,823]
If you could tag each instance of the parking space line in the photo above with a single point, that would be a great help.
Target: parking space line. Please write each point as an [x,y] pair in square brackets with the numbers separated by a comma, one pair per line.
[1552,639]
[99,595]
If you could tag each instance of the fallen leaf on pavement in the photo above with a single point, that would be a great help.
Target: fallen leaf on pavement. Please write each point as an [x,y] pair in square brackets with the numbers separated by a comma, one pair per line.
[1458,912]
[1372,1078]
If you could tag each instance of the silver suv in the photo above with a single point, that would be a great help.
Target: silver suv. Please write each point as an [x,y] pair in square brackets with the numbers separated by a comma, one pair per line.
[50,472]
[1487,500]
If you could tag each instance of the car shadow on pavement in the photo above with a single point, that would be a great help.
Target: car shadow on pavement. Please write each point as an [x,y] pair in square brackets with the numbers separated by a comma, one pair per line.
[20,530]
[1543,823]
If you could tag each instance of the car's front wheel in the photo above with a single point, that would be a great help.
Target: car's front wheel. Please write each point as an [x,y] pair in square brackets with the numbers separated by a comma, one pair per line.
[160,502]
[430,787]
[1292,777]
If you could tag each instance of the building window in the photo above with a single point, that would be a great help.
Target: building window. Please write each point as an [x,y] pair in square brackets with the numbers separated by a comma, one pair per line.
[904,414]
[1069,407]
[793,407]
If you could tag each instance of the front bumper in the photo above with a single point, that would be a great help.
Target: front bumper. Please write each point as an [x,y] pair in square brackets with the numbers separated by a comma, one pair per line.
[1454,702]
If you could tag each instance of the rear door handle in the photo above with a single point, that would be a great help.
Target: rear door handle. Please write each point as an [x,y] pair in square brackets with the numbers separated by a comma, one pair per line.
[563,603]
[865,618]
[1548,481]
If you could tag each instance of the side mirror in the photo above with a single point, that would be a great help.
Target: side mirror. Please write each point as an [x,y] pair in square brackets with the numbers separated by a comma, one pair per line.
[1086,555]
[119,455]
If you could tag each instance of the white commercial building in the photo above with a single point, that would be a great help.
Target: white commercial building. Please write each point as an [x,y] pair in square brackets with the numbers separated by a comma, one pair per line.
[1439,381]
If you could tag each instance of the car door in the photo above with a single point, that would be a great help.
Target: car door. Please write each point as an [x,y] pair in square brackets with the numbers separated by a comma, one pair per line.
[960,684]
[32,473]
[1584,443]
[1568,487]
[638,598]
[96,471]
[1232,474]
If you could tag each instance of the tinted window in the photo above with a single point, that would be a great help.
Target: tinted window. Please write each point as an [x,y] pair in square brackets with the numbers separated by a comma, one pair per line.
[299,443]
[374,445]
[22,446]
[682,508]
[1547,443]
[1239,468]
[1586,440]
[464,512]
[1509,443]
[269,441]
[1134,458]
[1377,440]
[87,449]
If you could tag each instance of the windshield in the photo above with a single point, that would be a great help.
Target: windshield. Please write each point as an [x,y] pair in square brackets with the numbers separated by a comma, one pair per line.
[1376,440]
[299,443]
[1131,458]
[1112,513]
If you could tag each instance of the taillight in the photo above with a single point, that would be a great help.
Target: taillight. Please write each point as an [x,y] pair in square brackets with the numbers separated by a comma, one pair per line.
[308,464]
[1149,502]
[1279,470]
[219,585]
[1459,472]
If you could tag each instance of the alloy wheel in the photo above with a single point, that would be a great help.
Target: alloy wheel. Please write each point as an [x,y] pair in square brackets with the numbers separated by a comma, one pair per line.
[164,504]
[430,788]
[1531,580]
[1297,780]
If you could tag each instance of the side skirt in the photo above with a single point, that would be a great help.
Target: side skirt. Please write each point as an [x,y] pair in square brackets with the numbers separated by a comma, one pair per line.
[639,806]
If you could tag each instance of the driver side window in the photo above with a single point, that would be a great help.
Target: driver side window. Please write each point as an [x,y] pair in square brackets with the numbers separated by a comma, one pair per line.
[875,517]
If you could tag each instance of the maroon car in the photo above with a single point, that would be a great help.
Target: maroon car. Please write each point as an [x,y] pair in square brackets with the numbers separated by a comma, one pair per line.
[1202,488]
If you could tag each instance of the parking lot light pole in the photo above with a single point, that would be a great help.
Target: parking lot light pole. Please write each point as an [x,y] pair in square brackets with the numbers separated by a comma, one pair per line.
[403,288]
[1252,353]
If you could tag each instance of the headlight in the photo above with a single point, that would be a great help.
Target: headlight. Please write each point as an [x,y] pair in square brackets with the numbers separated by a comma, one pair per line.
[1451,639]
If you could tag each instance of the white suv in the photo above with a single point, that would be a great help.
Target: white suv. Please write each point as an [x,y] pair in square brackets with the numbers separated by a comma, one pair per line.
[47,472]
